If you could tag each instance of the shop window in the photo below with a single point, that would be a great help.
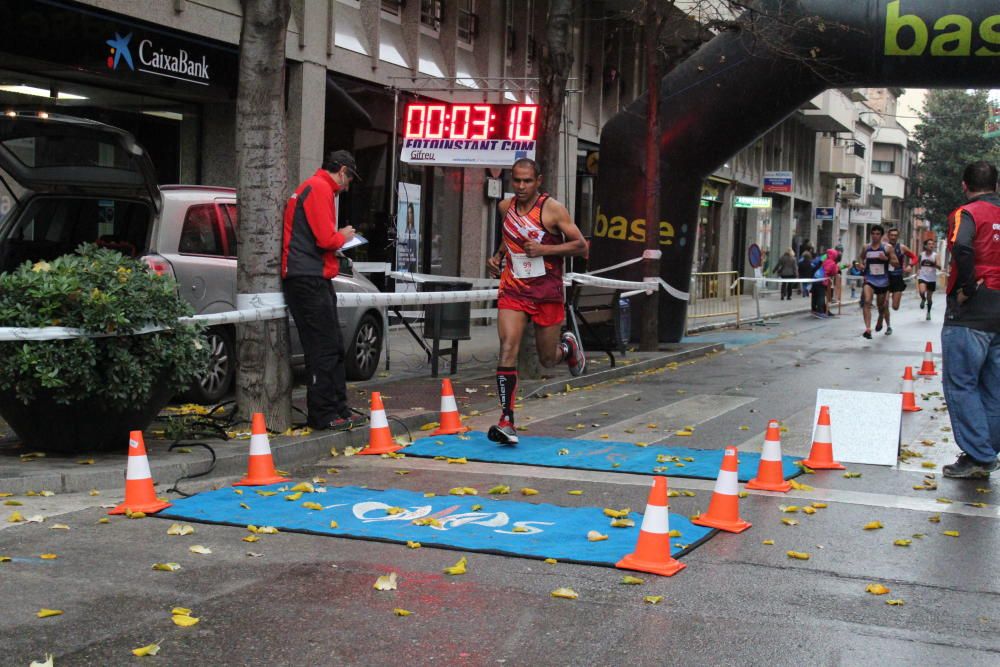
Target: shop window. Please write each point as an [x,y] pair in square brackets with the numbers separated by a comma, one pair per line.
[200,234]
[432,13]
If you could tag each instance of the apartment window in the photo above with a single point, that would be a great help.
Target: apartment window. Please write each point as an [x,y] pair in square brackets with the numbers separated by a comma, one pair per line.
[883,167]
[511,34]
[432,13]
[393,7]
[467,21]
[859,149]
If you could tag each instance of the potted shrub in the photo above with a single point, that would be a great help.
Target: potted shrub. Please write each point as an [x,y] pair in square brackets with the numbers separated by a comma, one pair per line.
[88,392]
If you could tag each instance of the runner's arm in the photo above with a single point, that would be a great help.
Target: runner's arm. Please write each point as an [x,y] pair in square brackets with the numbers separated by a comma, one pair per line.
[575,245]
[893,260]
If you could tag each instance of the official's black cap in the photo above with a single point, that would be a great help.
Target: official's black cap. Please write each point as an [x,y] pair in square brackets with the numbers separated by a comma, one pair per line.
[337,159]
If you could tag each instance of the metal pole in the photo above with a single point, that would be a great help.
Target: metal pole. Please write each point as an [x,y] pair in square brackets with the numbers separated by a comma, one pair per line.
[392,200]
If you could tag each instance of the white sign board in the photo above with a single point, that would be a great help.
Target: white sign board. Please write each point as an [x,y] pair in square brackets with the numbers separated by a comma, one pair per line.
[864,425]
[866,216]
[466,152]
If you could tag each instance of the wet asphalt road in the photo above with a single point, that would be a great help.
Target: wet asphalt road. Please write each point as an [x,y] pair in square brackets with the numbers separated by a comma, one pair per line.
[308,600]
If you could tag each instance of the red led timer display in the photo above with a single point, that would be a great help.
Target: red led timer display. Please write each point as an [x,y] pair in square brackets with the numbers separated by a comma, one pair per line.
[514,122]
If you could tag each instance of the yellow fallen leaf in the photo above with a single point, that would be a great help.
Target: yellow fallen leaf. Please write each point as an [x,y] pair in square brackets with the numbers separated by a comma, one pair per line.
[499,489]
[45,613]
[944,501]
[94,492]
[13,503]
[622,523]
[790,522]
[181,611]
[798,555]
[199,549]
[852,475]
[134,515]
[950,533]
[413,545]
[238,492]
[744,427]
[251,538]
[266,494]
[457,491]
[386,582]
[5,494]
[935,518]
[798,486]
[520,529]
[294,496]
[689,459]
[151,649]
[575,492]
[818,506]
[305,487]
[632,581]
[684,433]
[742,494]
[244,506]
[48,556]
[460,460]
[401,612]
[476,507]
[15,517]
[402,472]
[565,593]
[312,506]
[809,510]
[46,494]
[334,524]
[641,444]
[184,621]
[894,603]
[653,599]
[789,509]
[550,561]
[166,567]
[768,542]
[60,526]
[528,492]
[674,533]
[180,529]
[616,514]
[873,525]
[902,543]
[457,568]
[982,490]
[430,426]
[392,511]
[928,464]
[687,493]
[976,504]
[429,495]
[876,589]
[594,536]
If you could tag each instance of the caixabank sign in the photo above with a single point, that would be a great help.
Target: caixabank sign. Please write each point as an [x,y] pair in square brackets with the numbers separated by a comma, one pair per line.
[126,50]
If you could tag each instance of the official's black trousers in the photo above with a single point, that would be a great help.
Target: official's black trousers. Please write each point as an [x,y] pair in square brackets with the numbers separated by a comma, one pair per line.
[312,302]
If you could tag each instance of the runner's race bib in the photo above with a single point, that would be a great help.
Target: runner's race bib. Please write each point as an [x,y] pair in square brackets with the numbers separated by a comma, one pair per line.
[877,269]
[527,267]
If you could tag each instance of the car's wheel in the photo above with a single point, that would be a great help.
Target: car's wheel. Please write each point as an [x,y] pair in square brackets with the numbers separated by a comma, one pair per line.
[365,348]
[213,385]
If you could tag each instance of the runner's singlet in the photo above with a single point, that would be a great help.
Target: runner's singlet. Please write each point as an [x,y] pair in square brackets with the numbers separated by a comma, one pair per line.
[535,278]
[898,271]
[928,270]
[876,269]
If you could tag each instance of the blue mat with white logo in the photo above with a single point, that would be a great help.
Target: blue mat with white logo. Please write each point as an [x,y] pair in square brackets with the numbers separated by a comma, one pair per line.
[468,523]
[603,455]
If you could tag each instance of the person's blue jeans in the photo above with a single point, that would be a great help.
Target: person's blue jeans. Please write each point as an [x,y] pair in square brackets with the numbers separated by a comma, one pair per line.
[971,375]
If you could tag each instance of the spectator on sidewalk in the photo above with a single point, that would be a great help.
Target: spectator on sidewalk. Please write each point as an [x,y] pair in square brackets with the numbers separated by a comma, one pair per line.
[787,268]
[831,269]
[855,270]
[805,271]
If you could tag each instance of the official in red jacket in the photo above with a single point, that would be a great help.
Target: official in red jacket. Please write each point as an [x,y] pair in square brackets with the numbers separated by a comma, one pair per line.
[970,339]
[308,264]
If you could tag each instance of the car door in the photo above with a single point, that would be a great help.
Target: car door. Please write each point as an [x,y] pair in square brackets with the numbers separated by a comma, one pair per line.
[204,261]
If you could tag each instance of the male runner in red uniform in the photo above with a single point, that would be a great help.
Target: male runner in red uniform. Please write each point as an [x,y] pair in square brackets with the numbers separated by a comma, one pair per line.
[537,234]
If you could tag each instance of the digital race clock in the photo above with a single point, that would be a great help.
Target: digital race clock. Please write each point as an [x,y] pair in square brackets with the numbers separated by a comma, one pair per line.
[438,120]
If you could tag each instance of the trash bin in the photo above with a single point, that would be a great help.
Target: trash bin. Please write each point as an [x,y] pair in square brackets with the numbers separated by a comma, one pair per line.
[447,321]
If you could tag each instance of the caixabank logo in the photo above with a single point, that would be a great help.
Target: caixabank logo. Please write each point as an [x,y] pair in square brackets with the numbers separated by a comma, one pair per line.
[170,62]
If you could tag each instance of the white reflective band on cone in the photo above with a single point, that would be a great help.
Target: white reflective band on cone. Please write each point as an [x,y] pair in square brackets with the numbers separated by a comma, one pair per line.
[378,419]
[907,386]
[448,403]
[259,444]
[727,483]
[656,520]
[823,433]
[138,468]
[771,451]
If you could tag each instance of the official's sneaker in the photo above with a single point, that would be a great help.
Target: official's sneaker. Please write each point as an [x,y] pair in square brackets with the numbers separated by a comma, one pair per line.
[867,334]
[355,419]
[888,331]
[575,357]
[967,467]
[504,432]
[338,424]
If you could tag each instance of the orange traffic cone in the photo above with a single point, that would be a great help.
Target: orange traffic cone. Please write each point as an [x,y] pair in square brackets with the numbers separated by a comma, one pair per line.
[927,368]
[909,400]
[260,468]
[724,508]
[451,421]
[770,475]
[140,496]
[379,434]
[652,550]
[821,454]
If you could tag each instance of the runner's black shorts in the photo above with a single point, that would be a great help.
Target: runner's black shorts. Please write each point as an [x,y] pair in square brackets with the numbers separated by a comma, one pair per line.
[877,289]
[931,286]
[896,283]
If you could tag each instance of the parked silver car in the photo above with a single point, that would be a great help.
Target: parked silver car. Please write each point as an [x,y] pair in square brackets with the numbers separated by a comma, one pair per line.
[66,181]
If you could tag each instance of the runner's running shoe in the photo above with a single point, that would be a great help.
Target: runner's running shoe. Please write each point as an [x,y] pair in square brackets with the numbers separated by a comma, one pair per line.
[504,432]
[888,331]
[878,325]
[923,300]
[867,334]
[575,358]
[928,313]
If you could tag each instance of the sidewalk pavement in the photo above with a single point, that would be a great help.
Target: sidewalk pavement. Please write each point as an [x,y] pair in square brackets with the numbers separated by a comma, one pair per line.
[411,397]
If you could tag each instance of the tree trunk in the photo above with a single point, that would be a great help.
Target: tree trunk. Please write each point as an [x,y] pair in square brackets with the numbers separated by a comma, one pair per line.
[263,376]
[554,66]
[649,340]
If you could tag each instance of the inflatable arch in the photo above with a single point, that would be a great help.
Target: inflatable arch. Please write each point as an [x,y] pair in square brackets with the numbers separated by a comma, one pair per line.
[738,86]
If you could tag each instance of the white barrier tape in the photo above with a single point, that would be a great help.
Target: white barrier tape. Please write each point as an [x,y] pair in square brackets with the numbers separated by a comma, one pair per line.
[259,301]
[407,276]
[672,291]
[237,316]
[609,283]
[378,299]
[614,266]
[372,267]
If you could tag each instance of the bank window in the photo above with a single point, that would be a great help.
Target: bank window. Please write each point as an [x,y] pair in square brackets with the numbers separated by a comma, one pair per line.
[468,21]
[392,6]
[882,166]
[200,234]
[432,13]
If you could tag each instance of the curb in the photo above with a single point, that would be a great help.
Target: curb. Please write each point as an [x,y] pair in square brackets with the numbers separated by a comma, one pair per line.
[733,324]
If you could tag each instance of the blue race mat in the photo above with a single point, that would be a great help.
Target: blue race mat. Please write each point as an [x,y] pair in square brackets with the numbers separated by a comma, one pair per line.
[592,455]
[552,531]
